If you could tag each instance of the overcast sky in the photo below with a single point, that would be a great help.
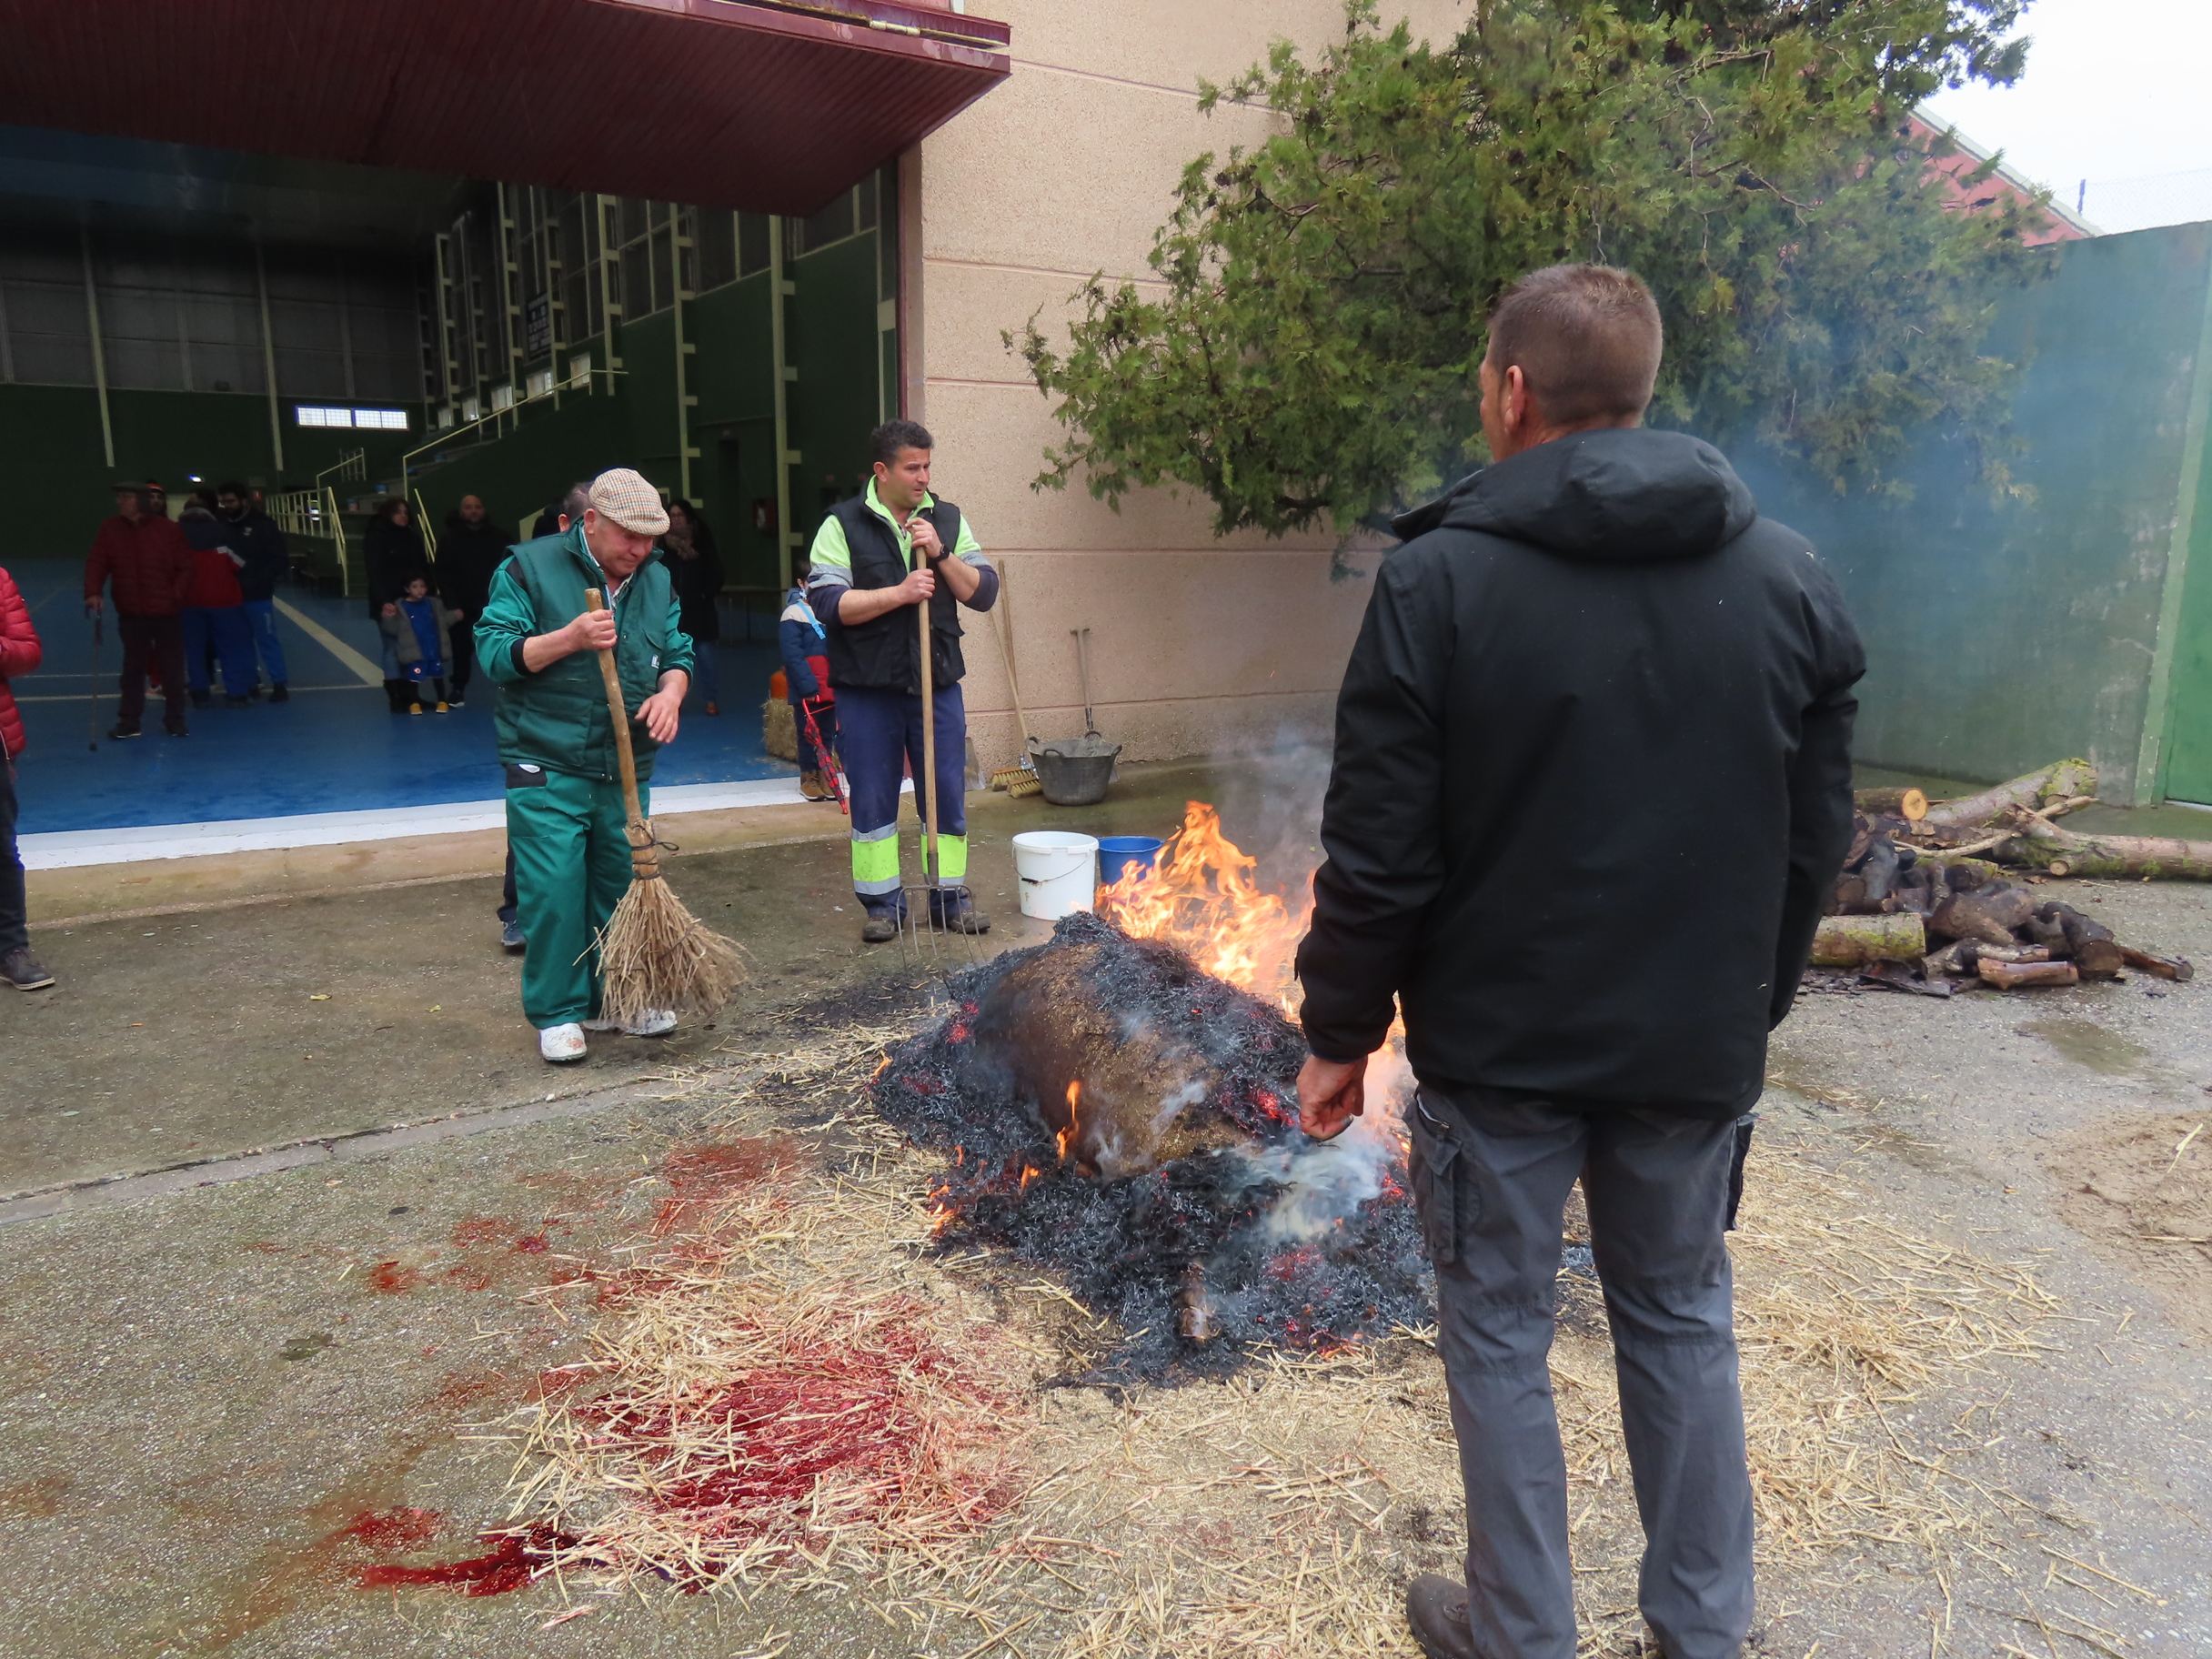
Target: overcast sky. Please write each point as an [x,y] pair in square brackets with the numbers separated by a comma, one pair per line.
[2115,92]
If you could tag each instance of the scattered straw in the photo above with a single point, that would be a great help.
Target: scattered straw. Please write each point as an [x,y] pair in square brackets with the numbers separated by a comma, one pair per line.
[794,1397]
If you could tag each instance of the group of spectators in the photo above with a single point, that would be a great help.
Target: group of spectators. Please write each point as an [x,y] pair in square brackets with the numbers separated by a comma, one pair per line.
[192,596]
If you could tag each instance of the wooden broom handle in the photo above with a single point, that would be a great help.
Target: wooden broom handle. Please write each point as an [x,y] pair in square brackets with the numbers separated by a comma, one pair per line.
[619,715]
[928,751]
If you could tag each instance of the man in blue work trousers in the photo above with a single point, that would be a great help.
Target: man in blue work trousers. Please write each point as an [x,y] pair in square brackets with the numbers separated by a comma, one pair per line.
[876,558]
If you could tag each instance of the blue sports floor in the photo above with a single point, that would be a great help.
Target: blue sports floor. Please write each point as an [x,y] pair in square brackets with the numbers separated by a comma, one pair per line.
[333,748]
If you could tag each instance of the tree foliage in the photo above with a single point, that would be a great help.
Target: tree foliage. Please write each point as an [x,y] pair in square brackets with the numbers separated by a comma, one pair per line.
[1312,356]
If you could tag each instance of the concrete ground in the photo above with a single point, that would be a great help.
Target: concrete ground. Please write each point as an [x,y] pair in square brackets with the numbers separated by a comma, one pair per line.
[241,1316]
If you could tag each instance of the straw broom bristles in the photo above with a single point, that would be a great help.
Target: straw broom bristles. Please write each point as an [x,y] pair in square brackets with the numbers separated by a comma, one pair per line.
[655,954]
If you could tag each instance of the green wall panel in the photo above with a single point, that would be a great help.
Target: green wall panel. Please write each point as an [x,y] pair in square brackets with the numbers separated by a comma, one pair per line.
[2003,636]
[50,433]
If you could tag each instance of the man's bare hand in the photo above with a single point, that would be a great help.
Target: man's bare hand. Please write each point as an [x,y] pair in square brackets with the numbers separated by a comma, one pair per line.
[94,606]
[919,587]
[592,631]
[661,713]
[924,535]
[1330,1095]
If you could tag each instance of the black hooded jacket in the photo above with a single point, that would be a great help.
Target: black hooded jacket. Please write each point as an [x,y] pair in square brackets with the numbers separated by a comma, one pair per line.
[469,556]
[1591,784]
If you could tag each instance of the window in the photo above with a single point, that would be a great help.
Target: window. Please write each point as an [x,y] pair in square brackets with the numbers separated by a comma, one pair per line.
[579,368]
[502,397]
[325,415]
[540,382]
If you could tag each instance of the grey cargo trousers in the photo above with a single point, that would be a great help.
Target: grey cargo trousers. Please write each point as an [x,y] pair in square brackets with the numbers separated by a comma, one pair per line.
[1490,1181]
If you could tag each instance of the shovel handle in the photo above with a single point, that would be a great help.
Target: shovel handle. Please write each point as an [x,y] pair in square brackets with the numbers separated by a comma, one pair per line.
[619,715]
[928,753]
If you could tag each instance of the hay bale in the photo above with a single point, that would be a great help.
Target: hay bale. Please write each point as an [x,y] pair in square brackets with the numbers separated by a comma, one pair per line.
[780,730]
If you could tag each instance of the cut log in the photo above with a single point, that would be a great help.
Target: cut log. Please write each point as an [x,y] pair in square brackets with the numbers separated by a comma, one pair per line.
[2150,858]
[1989,914]
[2016,976]
[1911,805]
[2061,781]
[2175,968]
[1962,871]
[1853,941]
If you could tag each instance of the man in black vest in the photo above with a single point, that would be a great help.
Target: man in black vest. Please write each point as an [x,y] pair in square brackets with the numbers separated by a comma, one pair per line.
[877,557]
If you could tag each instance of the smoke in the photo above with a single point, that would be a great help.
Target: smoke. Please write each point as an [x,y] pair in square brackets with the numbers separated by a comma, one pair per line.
[1324,1183]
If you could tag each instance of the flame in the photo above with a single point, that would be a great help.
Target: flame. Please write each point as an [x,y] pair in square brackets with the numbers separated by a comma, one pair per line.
[1029,1174]
[1067,1135]
[1202,895]
[881,1068]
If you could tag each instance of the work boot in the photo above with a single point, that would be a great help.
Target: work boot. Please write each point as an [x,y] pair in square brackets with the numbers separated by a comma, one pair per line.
[653,1022]
[119,732]
[561,1045]
[811,786]
[956,913]
[511,937]
[280,693]
[1436,1607]
[20,968]
[880,928]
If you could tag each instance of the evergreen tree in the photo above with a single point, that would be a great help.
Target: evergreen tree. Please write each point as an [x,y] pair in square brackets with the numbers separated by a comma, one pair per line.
[1312,358]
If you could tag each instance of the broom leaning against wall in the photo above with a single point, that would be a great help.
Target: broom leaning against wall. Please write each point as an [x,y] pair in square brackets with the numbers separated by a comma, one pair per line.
[566,817]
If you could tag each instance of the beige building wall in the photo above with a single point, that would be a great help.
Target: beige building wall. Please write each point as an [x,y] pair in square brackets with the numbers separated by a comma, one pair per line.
[1199,645]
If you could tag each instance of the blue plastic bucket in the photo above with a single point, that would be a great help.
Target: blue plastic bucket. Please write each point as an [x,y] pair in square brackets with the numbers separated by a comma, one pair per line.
[1120,854]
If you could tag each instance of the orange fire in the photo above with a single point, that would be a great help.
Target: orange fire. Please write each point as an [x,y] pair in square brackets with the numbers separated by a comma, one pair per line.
[1200,895]
[1067,1135]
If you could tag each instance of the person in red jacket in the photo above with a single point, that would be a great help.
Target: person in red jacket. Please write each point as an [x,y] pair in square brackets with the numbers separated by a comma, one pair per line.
[146,557]
[18,655]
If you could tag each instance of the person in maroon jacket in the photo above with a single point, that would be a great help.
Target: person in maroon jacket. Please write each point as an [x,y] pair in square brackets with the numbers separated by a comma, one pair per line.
[146,558]
[18,655]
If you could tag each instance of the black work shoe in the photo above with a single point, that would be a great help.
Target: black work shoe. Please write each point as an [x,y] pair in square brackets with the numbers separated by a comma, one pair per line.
[961,916]
[120,733]
[1436,1607]
[880,928]
[20,968]
[280,693]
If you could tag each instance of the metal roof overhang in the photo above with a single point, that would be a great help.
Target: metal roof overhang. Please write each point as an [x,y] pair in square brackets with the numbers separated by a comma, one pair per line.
[770,106]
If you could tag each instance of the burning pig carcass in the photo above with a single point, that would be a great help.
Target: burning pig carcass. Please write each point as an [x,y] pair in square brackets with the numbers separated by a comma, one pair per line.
[1128,1122]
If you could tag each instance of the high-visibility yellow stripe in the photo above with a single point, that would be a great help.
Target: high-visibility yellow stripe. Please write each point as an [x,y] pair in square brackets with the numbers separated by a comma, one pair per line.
[875,863]
[951,861]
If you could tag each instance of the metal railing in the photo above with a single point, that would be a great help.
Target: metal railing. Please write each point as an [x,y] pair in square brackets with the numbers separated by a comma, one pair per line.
[348,469]
[312,516]
[422,522]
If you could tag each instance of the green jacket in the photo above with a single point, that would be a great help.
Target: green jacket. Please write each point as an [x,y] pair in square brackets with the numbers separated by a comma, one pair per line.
[557,717]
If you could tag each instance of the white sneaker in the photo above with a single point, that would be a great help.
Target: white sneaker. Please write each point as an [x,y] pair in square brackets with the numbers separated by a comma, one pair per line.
[653,1022]
[561,1044]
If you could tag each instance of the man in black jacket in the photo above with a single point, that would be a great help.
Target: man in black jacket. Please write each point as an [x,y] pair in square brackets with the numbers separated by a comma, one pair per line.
[1581,650]
[254,536]
[470,550]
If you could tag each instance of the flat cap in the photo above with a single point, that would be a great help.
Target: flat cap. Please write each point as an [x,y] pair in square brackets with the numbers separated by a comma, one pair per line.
[624,497]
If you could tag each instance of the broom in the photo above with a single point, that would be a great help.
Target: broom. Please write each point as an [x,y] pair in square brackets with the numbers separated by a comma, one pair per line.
[1021,779]
[654,953]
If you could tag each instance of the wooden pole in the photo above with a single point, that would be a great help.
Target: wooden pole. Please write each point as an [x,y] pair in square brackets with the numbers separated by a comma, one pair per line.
[640,841]
[929,754]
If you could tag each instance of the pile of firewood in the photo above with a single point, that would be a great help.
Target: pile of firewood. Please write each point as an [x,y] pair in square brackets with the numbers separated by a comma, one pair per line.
[1937,896]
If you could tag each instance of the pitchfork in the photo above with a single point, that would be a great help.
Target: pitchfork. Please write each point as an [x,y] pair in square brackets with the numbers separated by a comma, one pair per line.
[913,903]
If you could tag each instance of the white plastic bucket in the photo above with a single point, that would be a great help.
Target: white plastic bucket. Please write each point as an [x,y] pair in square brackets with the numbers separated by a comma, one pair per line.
[1058,872]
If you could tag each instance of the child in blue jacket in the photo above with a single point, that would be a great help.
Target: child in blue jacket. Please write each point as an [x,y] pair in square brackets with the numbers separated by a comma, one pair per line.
[806,678]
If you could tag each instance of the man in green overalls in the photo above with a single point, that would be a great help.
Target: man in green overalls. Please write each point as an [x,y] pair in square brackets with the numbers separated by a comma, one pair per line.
[565,823]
